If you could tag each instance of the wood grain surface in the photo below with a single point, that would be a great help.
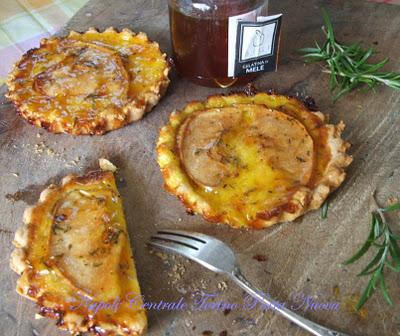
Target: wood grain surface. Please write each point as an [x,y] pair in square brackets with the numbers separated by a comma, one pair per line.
[301,257]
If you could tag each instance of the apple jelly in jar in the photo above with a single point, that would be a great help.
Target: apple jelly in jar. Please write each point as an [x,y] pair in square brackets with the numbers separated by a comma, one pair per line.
[205,39]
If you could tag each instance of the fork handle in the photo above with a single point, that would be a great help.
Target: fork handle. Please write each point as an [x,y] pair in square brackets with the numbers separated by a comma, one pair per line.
[302,322]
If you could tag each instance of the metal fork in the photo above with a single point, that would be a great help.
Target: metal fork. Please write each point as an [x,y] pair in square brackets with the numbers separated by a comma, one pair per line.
[218,257]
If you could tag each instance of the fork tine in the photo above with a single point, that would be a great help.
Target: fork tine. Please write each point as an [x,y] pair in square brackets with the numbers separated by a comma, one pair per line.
[205,250]
[202,238]
[180,236]
[193,244]
[174,248]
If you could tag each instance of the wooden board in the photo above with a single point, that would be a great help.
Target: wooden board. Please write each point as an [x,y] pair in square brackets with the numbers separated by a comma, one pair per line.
[303,256]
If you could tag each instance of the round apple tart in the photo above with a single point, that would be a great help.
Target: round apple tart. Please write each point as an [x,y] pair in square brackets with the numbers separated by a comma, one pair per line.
[89,83]
[251,161]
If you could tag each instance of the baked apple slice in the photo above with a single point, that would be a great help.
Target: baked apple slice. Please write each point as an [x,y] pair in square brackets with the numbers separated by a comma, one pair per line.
[75,261]
[89,83]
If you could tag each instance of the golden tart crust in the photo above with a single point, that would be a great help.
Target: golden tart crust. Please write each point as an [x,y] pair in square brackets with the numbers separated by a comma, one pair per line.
[73,251]
[89,83]
[251,161]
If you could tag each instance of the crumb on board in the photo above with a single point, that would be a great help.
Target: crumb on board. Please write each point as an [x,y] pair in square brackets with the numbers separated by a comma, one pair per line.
[161,255]
[107,165]
[74,162]
[14,197]
[42,148]
[178,270]
[222,286]
[176,273]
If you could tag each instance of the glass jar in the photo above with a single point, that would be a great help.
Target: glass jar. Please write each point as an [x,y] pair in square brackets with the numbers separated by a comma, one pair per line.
[199,35]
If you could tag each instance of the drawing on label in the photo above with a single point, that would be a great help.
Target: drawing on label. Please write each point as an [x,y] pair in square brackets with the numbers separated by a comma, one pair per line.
[255,45]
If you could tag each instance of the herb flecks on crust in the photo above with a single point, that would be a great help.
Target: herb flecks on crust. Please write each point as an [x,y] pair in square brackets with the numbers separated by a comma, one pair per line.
[251,161]
[89,83]
[73,254]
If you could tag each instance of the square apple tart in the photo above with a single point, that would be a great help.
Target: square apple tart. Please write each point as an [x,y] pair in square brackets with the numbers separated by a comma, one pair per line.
[74,258]
[251,161]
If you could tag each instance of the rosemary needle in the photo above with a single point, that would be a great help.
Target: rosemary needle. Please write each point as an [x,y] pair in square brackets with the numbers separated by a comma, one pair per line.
[387,255]
[348,65]
[324,210]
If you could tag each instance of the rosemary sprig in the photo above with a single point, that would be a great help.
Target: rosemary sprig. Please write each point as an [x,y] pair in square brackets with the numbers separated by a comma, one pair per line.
[387,256]
[348,65]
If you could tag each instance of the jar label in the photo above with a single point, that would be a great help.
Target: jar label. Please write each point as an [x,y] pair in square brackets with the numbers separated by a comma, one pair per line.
[253,44]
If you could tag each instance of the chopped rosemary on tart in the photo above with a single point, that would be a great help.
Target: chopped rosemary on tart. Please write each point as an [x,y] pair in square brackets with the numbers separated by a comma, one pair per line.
[251,161]
[74,258]
[89,83]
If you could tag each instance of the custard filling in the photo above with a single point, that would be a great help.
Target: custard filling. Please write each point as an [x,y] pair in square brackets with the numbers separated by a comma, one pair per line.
[244,159]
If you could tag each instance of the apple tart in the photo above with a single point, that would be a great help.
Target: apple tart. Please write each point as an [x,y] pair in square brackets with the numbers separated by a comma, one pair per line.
[89,83]
[251,161]
[74,258]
